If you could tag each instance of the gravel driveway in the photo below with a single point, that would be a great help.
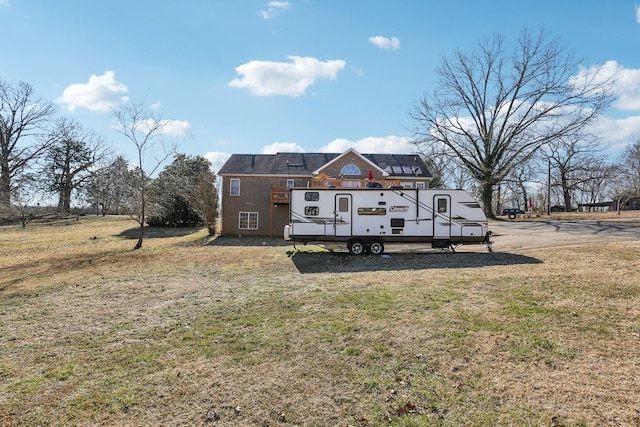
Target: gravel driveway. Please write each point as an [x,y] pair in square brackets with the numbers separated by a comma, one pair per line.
[510,235]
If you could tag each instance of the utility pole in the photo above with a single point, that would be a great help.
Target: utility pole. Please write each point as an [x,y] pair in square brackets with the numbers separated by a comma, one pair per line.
[549,190]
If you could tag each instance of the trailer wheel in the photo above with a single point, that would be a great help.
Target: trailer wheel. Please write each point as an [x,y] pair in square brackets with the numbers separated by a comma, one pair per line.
[356,247]
[376,247]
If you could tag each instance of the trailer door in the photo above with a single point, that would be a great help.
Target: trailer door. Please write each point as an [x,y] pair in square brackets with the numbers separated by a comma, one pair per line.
[442,216]
[343,215]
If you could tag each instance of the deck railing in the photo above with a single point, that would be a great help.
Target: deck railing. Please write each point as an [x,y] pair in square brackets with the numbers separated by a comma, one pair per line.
[279,194]
[353,183]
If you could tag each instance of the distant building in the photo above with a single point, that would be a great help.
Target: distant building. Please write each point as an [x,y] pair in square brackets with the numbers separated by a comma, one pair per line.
[255,196]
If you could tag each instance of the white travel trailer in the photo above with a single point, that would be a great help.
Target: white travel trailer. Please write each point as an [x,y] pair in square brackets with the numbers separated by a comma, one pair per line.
[367,218]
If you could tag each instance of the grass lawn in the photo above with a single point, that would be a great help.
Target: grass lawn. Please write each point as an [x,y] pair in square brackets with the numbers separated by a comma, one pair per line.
[234,332]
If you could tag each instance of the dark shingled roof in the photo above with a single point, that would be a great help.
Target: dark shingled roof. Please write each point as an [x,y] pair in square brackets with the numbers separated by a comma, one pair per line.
[399,165]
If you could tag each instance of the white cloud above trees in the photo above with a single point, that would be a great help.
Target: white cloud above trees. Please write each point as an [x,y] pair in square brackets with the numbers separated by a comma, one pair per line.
[217,159]
[274,8]
[385,43]
[101,93]
[265,78]
[390,144]
[282,147]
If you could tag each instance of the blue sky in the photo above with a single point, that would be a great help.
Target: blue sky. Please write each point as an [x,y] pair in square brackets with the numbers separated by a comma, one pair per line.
[257,76]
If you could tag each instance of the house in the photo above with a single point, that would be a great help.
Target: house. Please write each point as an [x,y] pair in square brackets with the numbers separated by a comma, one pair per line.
[255,196]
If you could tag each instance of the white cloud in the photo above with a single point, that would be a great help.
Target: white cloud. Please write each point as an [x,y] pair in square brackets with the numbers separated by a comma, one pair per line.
[4,3]
[638,14]
[385,43]
[379,145]
[101,93]
[282,147]
[217,159]
[614,133]
[626,87]
[265,78]
[177,128]
[274,8]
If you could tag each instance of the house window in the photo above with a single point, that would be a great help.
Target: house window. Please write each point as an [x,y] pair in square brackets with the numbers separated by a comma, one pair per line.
[234,187]
[248,221]
[290,183]
[350,170]
[420,185]
[350,183]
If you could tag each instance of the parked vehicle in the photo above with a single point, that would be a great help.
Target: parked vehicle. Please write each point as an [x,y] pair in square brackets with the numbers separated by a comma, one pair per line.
[512,212]
[367,218]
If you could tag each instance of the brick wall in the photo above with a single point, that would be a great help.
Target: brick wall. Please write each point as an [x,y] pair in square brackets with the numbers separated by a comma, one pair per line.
[255,196]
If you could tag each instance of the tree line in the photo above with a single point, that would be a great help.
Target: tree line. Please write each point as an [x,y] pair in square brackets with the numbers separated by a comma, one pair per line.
[46,155]
[515,125]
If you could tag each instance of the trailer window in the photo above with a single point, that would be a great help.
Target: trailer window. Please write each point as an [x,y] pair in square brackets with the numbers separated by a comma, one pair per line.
[442,205]
[372,211]
[311,196]
[311,210]
[343,204]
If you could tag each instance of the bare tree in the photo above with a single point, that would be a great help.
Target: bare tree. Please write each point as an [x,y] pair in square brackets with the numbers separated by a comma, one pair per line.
[494,109]
[25,192]
[70,159]
[23,118]
[149,133]
[627,177]
[572,159]
[445,168]
[595,180]
[517,183]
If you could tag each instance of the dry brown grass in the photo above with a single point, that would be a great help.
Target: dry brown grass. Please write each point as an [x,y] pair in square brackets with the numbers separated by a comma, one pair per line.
[233,332]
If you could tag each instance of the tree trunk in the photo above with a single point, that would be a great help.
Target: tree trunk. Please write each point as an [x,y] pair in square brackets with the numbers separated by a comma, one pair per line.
[486,195]
[140,238]
[5,186]
[141,218]
[64,201]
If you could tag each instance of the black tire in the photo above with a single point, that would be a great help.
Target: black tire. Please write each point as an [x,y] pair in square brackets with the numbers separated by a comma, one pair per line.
[356,247]
[512,216]
[376,247]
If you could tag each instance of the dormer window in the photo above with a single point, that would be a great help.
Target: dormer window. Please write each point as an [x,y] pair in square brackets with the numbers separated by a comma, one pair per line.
[350,170]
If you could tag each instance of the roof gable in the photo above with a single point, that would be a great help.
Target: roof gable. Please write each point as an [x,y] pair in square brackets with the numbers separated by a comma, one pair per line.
[345,154]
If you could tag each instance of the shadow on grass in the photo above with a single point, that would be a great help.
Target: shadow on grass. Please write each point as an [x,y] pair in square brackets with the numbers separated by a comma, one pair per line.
[342,262]
[159,232]
[247,241]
